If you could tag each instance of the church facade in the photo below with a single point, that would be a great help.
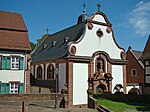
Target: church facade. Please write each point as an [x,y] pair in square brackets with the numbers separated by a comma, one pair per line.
[86,57]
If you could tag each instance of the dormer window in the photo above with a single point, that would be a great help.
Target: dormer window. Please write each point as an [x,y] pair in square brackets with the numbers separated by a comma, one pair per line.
[54,43]
[44,46]
[66,39]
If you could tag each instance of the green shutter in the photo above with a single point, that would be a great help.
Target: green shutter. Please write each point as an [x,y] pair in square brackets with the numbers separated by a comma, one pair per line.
[2,88]
[3,62]
[21,88]
[21,63]
[8,63]
[7,88]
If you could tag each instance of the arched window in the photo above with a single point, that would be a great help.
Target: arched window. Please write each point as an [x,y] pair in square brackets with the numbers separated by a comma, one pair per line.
[100,88]
[134,90]
[50,72]
[100,65]
[39,72]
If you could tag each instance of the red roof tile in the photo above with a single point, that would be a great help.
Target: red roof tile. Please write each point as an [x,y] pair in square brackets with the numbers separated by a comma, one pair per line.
[14,40]
[13,32]
[11,20]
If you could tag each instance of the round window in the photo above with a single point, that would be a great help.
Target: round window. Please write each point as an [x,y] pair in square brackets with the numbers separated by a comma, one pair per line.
[99,33]
[73,50]
[108,30]
[90,26]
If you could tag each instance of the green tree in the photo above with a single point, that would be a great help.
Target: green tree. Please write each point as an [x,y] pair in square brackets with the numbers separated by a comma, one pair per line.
[32,45]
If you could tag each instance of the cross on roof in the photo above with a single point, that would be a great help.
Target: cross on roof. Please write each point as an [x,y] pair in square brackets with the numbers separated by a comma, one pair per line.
[47,30]
[84,6]
[99,6]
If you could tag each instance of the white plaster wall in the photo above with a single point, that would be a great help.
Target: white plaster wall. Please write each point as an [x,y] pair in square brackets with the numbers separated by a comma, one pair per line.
[80,84]
[12,75]
[92,43]
[117,74]
[46,70]
[99,18]
[62,76]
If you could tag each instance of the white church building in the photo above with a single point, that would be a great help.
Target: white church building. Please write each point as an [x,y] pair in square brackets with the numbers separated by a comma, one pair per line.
[86,56]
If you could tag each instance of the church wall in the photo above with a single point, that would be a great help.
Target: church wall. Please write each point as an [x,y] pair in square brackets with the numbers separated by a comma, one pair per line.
[62,76]
[92,43]
[80,85]
[32,69]
[117,74]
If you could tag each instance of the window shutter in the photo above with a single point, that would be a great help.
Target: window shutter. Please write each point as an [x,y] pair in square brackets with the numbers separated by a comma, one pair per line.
[3,62]
[8,63]
[2,88]
[21,88]
[0,62]
[21,63]
[7,88]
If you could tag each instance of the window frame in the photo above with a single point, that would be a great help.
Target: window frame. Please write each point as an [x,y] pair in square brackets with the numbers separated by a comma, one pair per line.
[38,72]
[103,65]
[13,89]
[16,68]
[132,72]
[49,74]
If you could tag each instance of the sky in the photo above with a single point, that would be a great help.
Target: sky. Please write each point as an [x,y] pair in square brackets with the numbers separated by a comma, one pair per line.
[130,19]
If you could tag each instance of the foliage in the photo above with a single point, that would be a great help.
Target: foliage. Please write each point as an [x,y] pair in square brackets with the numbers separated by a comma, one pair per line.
[120,107]
[32,45]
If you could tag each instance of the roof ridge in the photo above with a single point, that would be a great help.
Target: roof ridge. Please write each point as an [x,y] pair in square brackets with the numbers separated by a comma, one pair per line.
[10,12]
[67,28]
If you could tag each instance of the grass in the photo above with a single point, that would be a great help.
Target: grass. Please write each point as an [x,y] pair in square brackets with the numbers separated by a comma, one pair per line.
[121,107]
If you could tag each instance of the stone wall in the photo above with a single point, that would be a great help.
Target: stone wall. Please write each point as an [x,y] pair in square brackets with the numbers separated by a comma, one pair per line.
[26,102]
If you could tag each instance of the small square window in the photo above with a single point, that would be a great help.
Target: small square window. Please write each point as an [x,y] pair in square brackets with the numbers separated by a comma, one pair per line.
[133,72]
[14,87]
[14,62]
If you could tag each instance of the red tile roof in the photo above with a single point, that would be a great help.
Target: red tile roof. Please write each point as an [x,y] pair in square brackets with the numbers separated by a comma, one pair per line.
[13,32]
[146,52]
[10,20]
[14,40]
